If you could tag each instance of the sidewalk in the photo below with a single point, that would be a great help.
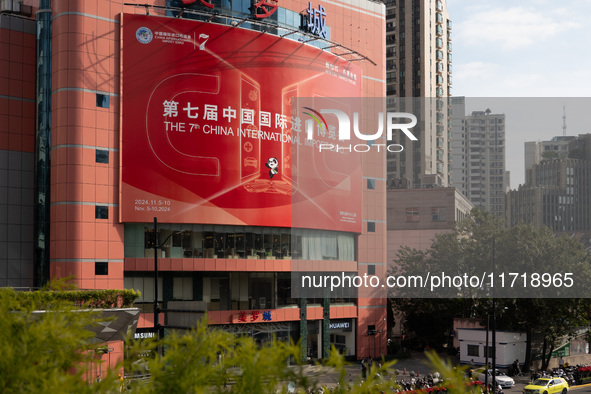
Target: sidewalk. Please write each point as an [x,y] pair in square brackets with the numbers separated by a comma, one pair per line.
[417,364]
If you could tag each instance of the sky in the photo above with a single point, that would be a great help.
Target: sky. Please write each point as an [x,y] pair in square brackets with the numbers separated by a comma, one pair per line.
[524,50]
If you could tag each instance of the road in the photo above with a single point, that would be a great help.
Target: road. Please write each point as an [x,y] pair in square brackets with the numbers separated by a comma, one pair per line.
[585,388]
[417,363]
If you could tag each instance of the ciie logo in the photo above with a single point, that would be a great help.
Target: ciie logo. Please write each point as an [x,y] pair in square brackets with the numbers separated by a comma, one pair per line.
[345,130]
[144,35]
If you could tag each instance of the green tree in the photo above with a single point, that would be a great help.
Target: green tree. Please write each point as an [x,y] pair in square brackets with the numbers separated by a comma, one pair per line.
[44,351]
[48,352]
[538,300]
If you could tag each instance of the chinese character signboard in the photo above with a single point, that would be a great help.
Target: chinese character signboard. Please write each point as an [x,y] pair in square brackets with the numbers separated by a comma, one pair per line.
[317,20]
[207,131]
[253,317]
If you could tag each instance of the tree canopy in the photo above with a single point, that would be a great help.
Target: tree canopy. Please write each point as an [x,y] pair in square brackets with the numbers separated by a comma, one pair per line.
[528,265]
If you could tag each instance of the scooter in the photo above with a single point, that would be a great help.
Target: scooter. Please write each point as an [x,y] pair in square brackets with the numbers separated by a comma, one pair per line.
[498,390]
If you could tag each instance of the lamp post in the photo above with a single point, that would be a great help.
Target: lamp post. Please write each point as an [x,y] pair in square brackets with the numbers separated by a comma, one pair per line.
[486,352]
[494,325]
[158,245]
[371,333]
[156,307]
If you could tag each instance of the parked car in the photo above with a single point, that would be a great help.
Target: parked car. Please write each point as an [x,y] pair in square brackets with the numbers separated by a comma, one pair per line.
[547,386]
[503,380]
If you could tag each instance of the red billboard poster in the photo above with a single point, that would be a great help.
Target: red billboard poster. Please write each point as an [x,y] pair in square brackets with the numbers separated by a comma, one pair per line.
[208,134]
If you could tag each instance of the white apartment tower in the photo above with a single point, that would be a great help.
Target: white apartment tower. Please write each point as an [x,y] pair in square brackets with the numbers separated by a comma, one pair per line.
[418,62]
[478,151]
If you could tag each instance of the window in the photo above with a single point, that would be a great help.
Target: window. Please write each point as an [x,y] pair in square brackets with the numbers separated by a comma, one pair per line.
[101,212]
[371,227]
[102,100]
[412,214]
[182,288]
[371,184]
[102,156]
[101,268]
[438,214]
[146,287]
[473,350]
[371,269]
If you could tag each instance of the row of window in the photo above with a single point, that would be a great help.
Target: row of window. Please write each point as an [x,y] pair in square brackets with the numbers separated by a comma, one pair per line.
[225,290]
[437,214]
[483,121]
[102,101]
[244,9]
[238,242]
[474,351]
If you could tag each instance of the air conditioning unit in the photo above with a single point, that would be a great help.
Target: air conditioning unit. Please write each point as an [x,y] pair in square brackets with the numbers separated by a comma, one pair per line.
[15,7]
[10,6]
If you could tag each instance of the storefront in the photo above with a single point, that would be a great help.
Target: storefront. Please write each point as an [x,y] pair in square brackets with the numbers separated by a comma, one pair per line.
[342,336]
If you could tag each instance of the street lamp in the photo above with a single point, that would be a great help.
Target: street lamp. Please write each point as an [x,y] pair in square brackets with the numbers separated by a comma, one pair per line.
[158,245]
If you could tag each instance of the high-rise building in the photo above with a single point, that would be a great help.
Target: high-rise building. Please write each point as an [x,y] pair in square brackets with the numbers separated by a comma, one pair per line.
[557,192]
[478,150]
[419,65]
[536,151]
[165,132]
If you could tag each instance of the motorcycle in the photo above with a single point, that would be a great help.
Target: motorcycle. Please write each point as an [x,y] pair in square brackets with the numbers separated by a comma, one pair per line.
[498,390]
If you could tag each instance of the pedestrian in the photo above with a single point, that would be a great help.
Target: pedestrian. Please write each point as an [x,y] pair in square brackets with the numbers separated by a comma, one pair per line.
[513,369]
[363,369]
[121,382]
[561,362]
[471,369]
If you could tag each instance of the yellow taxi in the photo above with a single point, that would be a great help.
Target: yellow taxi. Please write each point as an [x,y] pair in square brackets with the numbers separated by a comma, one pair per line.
[547,386]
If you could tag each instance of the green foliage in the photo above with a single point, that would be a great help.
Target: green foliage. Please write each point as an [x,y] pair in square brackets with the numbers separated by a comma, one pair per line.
[211,360]
[520,249]
[455,377]
[42,351]
[46,299]
[49,351]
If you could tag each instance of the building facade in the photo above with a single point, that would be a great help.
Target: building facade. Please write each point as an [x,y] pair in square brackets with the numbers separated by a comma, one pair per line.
[416,217]
[536,151]
[557,190]
[17,148]
[419,65]
[478,150]
[174,119]
[557,196]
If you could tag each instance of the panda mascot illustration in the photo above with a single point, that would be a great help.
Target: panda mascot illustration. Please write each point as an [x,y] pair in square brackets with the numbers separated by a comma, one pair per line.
[273,165]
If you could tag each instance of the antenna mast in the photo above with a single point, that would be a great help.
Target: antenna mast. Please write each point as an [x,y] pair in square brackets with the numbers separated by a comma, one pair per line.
[563,121]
